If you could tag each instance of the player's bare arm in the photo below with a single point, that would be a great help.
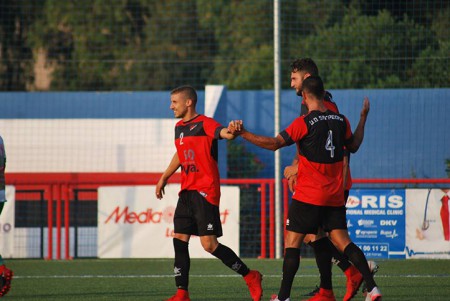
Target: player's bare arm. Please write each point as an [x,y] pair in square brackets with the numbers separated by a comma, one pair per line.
[269,143]
[358,135]
[345,168]
[171,169]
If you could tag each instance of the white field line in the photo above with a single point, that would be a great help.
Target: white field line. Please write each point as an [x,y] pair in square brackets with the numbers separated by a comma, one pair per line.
[210,276]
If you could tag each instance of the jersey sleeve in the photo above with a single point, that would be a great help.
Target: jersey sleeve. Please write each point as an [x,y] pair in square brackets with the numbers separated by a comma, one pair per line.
[212,128]
[295,131]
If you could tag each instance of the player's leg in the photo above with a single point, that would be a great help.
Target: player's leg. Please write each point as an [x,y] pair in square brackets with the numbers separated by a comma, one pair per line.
[302,219]
[343,242]
[352,273]
[224,253]
[291,263]
[209,226]
[322,253]
[184,226]
[5,273]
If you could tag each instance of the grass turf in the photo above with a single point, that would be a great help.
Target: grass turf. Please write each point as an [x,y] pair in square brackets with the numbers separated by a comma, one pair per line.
[152,279]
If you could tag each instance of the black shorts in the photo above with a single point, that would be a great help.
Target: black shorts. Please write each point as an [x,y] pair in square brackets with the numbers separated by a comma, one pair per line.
[194,215]
[307,218]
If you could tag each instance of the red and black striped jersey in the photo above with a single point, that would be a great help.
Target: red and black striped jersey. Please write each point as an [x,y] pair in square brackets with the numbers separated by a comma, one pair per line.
[197,149]
[331,105]
[320,139]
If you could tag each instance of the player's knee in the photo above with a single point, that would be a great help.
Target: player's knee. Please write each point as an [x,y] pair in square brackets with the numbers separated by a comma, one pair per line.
[208,249]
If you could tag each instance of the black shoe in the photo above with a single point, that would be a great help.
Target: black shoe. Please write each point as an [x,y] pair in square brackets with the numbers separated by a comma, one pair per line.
[313,292]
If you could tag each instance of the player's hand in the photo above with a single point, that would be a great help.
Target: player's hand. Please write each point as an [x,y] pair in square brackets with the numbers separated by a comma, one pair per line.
[159,191]
[235,127]
[289,171]
[366,107]
[292,181]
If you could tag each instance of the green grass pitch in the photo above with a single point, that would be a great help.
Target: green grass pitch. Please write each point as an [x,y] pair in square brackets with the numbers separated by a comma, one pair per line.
[152,279]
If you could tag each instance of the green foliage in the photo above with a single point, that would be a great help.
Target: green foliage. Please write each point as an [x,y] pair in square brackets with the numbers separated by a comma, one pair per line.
[16,57]
[156,45]
[362,51]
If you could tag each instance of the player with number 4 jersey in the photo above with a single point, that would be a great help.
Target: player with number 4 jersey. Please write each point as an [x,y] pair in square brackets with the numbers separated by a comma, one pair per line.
[320,156]
[318,199]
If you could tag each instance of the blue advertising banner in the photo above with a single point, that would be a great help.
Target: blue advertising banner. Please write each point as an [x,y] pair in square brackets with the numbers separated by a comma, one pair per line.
[376,222]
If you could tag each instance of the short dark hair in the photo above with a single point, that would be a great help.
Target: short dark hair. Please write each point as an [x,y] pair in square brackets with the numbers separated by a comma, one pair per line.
[314,85]
[305,65]
[188,91]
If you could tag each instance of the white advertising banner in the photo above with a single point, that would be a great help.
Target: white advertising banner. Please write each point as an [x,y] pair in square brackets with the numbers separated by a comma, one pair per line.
[133,223]
[427,223]
[7,224]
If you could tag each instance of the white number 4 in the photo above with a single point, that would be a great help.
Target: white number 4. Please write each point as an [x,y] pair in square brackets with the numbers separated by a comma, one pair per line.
[329,144]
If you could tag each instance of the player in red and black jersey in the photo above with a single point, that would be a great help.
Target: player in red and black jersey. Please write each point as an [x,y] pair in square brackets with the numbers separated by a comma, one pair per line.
[318,199]
[197,211]
[300,70]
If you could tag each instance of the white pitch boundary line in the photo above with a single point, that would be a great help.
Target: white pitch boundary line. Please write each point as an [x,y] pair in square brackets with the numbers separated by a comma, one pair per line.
[208,276]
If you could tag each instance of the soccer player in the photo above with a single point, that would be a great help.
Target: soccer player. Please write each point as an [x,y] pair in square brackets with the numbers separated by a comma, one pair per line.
[318,200]
[300,70]
[197,211]
[6,274]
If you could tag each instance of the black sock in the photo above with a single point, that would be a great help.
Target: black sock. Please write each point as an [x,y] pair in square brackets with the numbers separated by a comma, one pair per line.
[230,259]
[182,263]
[358,259]
[322,252]
[338,258]
[291,264]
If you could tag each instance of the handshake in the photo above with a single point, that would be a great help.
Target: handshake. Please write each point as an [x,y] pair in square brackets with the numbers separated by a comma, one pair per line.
[236,127]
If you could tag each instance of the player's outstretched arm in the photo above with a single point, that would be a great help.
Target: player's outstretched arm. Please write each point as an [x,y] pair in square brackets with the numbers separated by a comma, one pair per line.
[236,127]
[269,143]
[171,169]
[358,135]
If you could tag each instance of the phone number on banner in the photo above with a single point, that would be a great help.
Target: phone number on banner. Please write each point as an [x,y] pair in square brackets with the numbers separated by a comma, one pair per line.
[374,250]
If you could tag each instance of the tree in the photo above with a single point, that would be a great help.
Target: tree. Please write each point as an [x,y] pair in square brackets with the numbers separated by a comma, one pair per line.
[131,45]
[430,68]
[16,58]
[366,51]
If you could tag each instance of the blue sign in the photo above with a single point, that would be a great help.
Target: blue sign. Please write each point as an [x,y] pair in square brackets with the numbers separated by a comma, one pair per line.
[376,222]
